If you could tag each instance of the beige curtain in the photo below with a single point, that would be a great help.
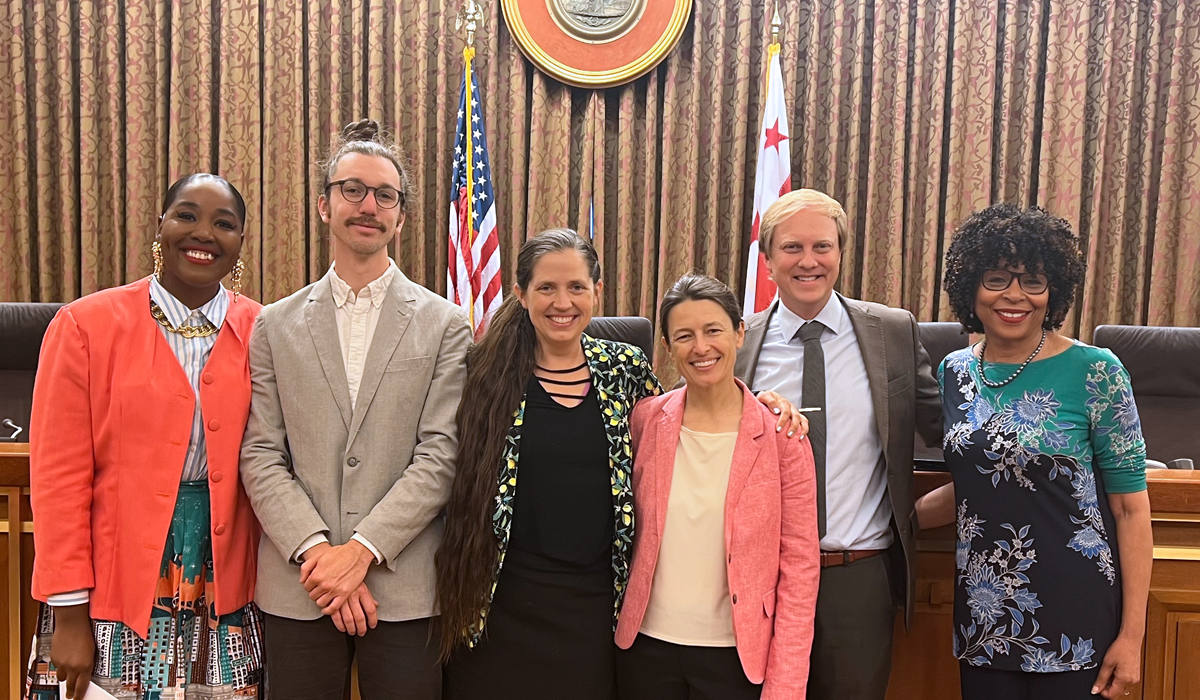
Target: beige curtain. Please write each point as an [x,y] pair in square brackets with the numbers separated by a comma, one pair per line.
[913,113]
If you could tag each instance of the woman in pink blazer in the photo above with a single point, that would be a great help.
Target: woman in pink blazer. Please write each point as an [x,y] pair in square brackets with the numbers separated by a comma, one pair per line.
[146,543]
[723,586]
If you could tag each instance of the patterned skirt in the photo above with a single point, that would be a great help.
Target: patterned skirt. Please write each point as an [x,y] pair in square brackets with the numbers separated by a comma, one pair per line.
[190,653]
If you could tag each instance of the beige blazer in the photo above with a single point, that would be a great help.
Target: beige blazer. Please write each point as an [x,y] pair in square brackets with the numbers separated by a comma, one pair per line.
[311,462]
[906,400]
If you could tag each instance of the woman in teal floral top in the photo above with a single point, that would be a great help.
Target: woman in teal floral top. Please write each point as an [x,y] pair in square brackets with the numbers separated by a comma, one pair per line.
[1044,443]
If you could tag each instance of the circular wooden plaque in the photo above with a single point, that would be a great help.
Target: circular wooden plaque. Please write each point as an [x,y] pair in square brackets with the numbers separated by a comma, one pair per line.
[596,43]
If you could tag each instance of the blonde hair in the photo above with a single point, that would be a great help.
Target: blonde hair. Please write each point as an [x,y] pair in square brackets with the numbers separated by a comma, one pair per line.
[797,201]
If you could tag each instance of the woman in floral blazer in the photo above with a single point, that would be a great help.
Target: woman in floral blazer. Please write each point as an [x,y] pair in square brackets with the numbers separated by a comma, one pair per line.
[1043,441]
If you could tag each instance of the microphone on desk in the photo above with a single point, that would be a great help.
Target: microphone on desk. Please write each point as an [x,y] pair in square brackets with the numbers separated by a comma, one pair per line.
[17,430]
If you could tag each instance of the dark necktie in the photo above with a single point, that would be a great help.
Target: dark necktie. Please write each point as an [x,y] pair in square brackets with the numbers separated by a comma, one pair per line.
[814,396]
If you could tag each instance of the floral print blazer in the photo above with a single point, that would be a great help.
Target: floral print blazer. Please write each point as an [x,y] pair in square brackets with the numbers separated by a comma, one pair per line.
[622,376]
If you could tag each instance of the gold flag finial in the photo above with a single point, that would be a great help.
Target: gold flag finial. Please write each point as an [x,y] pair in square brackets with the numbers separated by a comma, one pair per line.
[470,15]
[776,24]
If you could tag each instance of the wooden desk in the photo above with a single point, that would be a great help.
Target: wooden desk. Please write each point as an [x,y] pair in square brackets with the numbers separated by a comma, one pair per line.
[16,558]
[923,666]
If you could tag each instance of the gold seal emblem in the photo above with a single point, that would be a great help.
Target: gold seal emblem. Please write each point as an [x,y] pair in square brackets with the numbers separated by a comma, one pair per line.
[596,43]
[596,21]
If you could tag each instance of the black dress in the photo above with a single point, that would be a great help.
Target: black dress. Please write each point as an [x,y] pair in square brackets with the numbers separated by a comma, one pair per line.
[550,627]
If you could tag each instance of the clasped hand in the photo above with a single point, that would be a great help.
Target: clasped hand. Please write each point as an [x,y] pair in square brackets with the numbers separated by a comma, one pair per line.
[333,577]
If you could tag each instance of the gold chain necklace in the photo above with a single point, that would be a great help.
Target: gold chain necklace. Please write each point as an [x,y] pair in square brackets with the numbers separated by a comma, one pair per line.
[186,331]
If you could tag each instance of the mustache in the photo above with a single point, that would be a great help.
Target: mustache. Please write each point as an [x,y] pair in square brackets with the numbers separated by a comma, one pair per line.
[365,221]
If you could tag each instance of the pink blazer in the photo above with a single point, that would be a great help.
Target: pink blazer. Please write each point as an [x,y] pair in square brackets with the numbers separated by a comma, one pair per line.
[771,539]
[112,414]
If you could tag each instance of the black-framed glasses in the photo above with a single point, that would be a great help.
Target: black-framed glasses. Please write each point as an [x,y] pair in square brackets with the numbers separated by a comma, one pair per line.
[999,280]
[386,196]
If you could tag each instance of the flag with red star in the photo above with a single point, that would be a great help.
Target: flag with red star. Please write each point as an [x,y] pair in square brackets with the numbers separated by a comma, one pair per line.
[772,178]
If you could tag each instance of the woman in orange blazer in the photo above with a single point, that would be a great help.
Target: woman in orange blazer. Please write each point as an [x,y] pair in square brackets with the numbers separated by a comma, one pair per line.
[723,587]
[146,544]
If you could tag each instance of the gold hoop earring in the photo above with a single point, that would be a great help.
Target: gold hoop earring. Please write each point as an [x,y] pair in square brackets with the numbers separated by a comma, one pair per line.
[236,279]
[156,255]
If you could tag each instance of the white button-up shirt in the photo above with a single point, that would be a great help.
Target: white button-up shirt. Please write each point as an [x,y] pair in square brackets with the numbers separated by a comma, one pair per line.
[858,512]
[356,316]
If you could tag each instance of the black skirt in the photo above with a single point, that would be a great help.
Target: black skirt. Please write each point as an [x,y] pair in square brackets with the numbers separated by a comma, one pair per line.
[549,635]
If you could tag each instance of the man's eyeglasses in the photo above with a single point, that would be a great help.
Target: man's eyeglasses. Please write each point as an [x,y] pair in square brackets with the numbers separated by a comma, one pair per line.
[386,196]
[999,280]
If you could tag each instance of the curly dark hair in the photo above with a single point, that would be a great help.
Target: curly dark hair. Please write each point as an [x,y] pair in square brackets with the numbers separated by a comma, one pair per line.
[1003,235]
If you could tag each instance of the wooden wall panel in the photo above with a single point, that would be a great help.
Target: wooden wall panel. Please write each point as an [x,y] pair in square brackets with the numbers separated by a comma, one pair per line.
[1187,658]
[14,590]
[923,663]
[1172,657]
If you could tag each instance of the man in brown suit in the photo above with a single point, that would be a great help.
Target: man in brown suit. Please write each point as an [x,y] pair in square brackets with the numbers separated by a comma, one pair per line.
[880,389]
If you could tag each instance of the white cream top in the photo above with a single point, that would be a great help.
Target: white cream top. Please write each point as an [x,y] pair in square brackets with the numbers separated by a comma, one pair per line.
[689,599]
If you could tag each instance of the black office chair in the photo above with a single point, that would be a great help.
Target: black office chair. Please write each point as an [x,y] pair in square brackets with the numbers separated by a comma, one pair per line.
[22,327]
[939,339]
[634,330]
[1162,366]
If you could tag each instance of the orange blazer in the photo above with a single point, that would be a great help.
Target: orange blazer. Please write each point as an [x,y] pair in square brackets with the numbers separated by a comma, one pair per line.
[112,415]
[771,541]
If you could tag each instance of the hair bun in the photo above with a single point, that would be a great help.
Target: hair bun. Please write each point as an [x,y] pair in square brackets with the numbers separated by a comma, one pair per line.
[361,130]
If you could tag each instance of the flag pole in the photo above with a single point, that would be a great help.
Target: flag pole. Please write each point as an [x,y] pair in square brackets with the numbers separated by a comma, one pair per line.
[773,48]
[772,176]
[776,24]
[470,17]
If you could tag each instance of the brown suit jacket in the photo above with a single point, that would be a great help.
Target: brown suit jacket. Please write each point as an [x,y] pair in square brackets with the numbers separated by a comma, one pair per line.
[906,399]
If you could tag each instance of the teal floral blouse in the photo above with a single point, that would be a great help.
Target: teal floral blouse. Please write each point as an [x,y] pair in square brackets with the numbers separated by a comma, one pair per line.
[622,376]
[1038,585]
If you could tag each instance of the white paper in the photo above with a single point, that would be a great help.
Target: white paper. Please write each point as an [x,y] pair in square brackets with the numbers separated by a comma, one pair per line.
[94,692]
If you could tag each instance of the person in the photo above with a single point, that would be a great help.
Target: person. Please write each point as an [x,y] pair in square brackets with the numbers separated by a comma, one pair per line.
[723,586]
[145,540]
[349,449]
[542,567]
[863,366]
[1045,448]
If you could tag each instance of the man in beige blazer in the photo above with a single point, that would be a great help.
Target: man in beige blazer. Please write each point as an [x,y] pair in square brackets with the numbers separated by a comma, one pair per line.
[349,451]
[863,365]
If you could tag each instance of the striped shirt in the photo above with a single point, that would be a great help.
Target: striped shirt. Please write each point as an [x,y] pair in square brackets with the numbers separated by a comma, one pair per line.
[192,354]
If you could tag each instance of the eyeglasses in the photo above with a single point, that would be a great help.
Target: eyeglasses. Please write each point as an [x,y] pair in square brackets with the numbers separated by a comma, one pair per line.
[999,280]
[386,196]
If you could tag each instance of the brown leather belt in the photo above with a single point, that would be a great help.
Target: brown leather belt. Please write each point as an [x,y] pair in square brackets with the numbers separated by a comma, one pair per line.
[847,557]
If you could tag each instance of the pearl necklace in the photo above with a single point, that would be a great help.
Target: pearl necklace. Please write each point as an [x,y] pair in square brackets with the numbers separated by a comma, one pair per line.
[997,385]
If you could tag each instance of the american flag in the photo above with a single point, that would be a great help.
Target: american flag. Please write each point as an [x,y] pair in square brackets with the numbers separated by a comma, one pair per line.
[772,179]
[474,270]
